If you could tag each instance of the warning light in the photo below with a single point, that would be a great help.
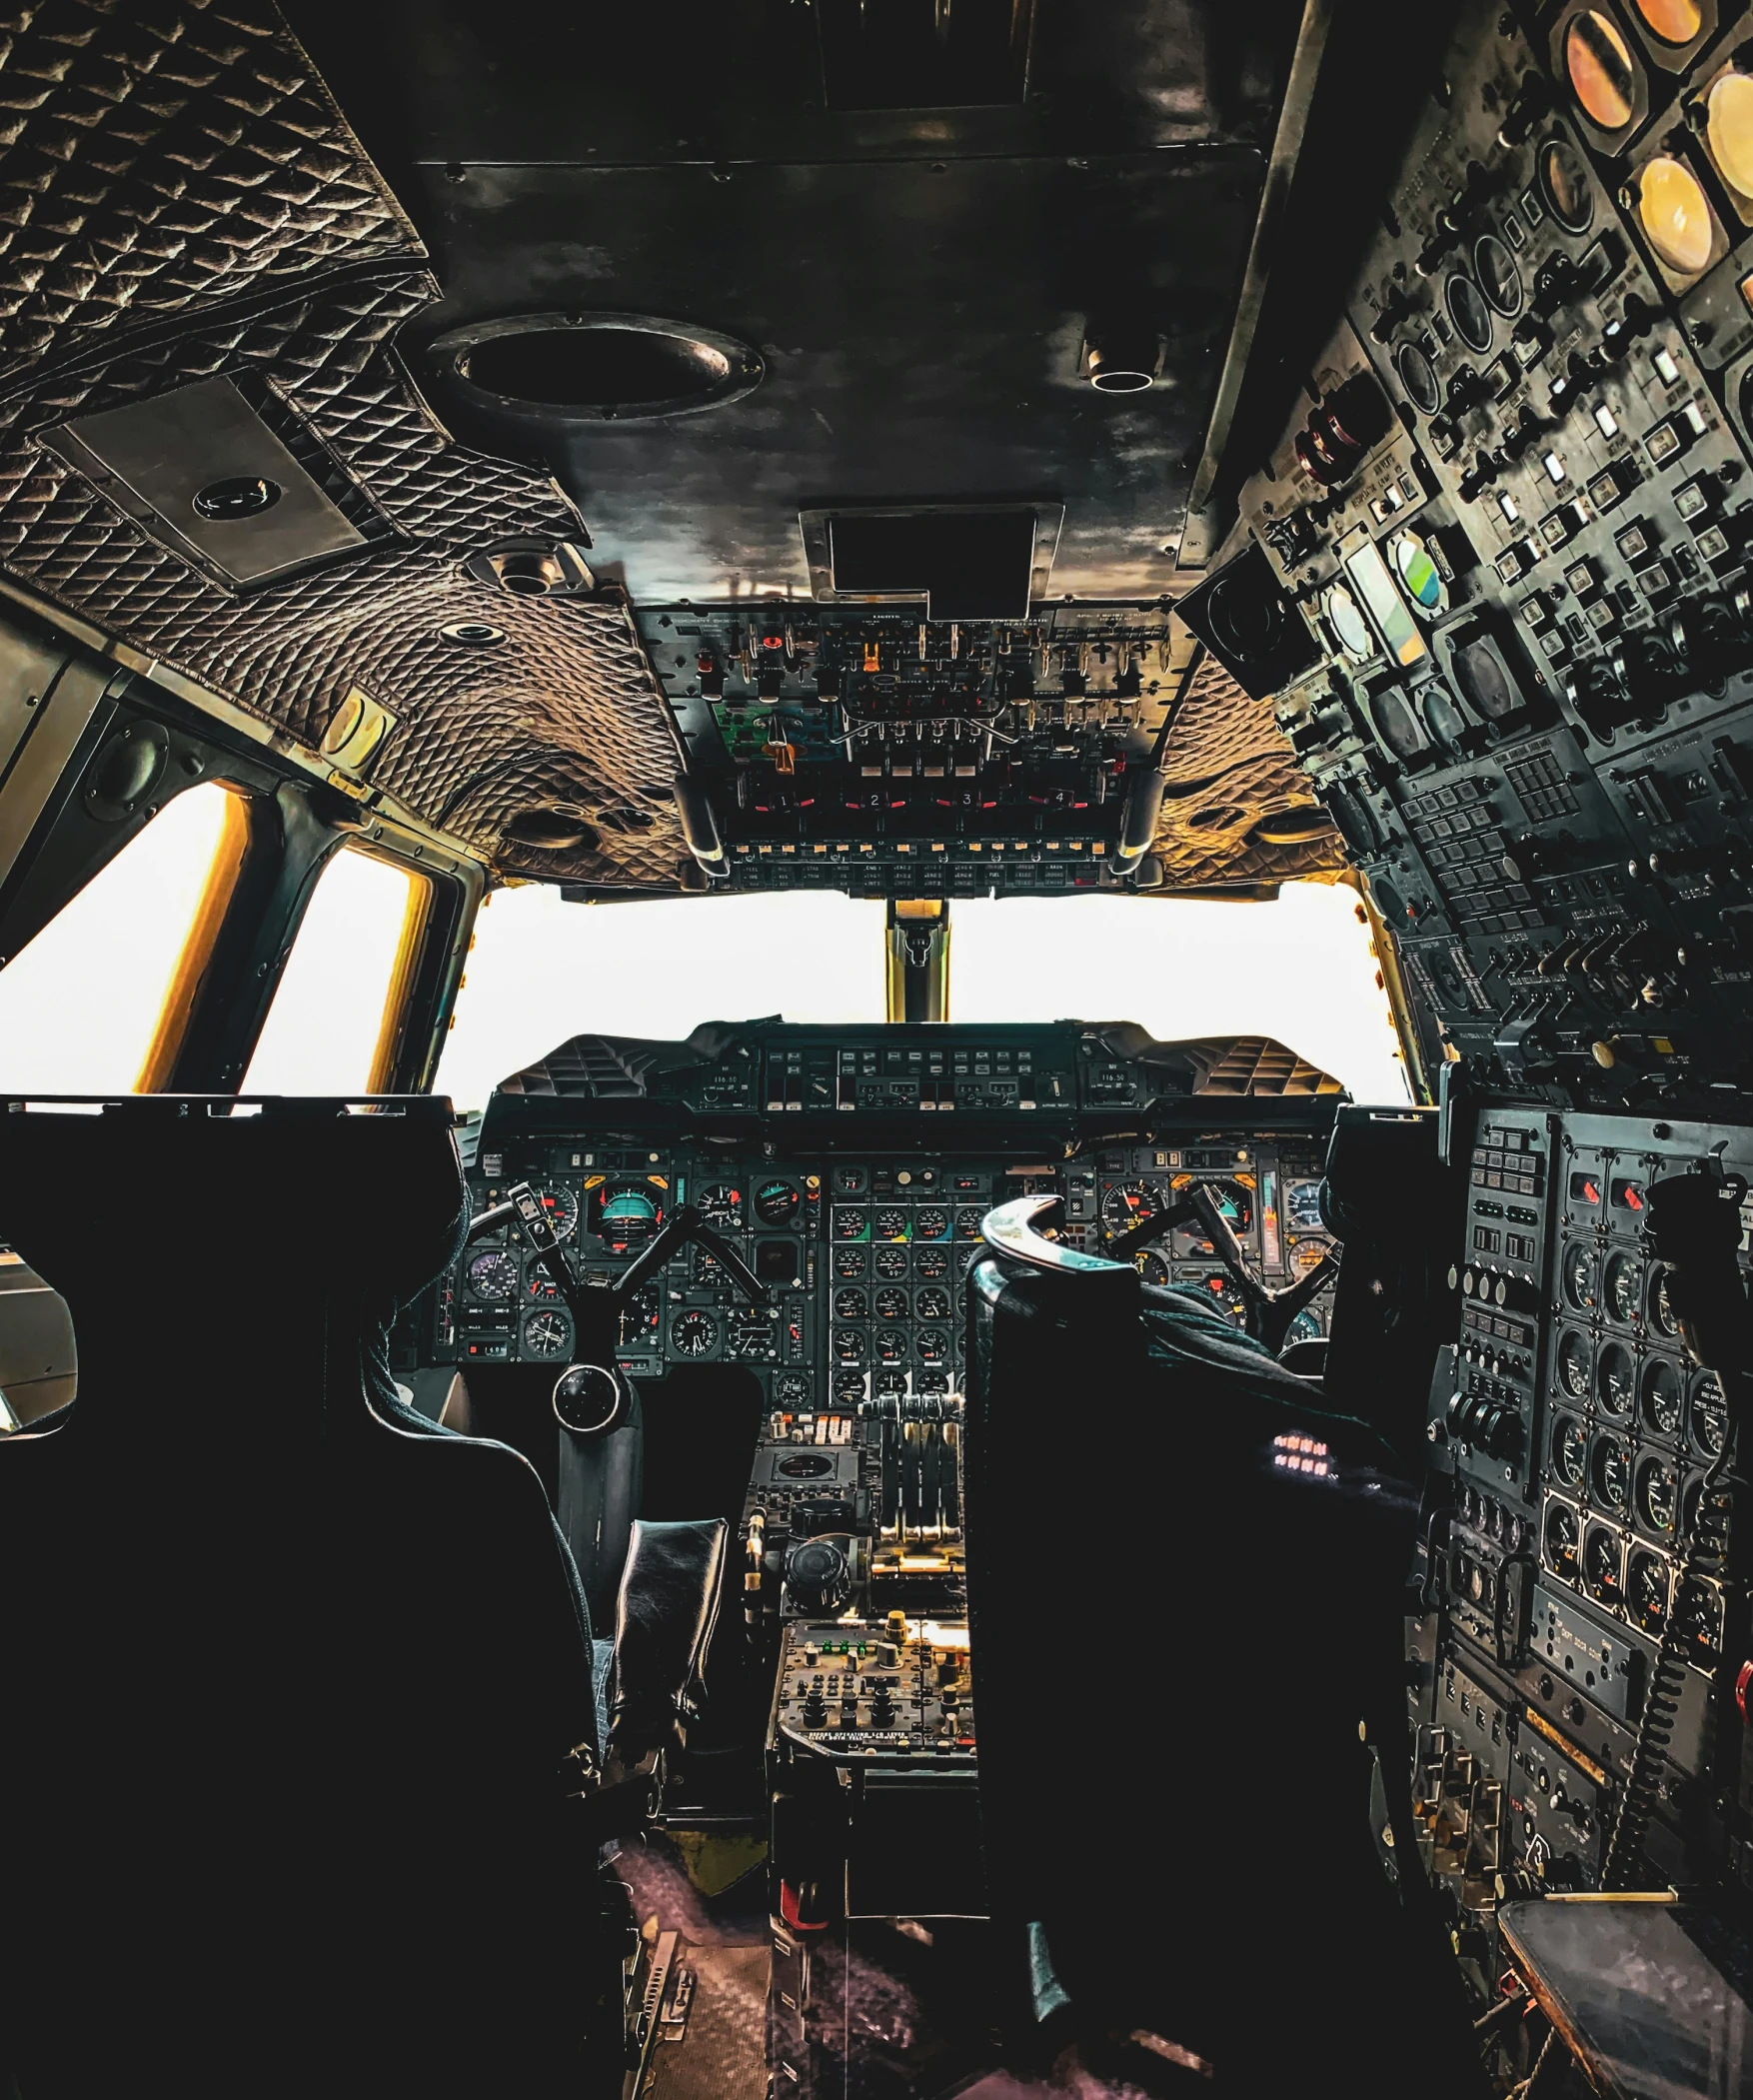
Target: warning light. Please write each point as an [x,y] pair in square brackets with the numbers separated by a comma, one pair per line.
[1627,1197]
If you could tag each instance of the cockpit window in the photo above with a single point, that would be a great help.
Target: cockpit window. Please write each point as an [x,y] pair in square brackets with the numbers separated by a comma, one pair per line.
[94,1000]
[331,1028]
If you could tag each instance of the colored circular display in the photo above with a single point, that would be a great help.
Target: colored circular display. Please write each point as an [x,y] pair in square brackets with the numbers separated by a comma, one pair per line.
[1599,67]
[1729,130]
[1565,184]
[1671,21]
[1674,215]
[1419,576]
[1350,629]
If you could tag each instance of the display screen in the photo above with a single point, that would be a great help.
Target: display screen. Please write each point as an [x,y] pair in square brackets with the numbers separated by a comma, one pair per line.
[1384,605]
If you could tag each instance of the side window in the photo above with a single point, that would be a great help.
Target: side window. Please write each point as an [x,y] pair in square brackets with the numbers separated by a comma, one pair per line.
[331,1028]
[88,1006]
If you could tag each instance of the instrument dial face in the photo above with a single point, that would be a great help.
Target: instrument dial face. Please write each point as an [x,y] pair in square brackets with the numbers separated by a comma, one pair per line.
[1225,1299]
[849,1387]
[889,1344]
[932,1223]
[546,1334]
[890,1384]
[561,1206]
[1622,1289]
[930,1305]
[1306,1326]
[1569,1450]
[694,1333]
[1601,1562]
[1615,1380]
[1664,1404]
[493,1276]
[891,1262]
[790,1391]
[721,1205]
[1663,1317]
[1647,1583]
[1494,266]
[1710,1415]
[1658,1496]
[776,1203]
[1575,1372]
[849,1181]
[627,1216]
[1151,1266]
[1129,1203]
[1562,1537]
[850,1305]
[1699,1608]
[851,1222]
[1609,1474]
[1235,1206]
[932,1381]
[891,1304]
[1578,1269]
[755,1334]
[967,1222]
[642,1315]
[932,1344]
[539,1287]
[848,1344]
[849,1263]
[889,1225]
[930,1263]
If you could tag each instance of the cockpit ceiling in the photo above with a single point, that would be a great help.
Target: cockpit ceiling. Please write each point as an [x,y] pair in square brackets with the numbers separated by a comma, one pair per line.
[919,292]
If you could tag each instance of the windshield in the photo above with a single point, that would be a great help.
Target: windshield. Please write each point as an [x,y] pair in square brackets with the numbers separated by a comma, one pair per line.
[1302,969]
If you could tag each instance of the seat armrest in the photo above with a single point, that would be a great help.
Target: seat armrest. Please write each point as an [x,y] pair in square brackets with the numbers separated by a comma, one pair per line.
[664,1620]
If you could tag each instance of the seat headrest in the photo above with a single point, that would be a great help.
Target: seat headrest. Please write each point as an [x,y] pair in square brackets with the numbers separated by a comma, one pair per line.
[301,1192]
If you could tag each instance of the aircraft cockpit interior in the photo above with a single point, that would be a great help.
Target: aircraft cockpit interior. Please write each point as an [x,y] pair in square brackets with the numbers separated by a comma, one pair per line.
[876,1050]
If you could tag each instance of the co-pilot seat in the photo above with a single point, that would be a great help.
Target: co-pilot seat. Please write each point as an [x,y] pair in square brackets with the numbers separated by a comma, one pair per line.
[290,1676]
[1174,1789]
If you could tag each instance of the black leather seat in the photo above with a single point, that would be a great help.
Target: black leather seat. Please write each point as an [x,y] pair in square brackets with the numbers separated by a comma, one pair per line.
[1175,1795]
[290,1674]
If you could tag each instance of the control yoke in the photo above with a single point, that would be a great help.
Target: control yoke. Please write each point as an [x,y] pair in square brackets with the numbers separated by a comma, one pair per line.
[1269,1312]
[591,1397]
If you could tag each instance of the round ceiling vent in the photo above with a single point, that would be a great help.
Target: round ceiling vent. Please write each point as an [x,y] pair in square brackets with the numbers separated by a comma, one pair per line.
[585,367]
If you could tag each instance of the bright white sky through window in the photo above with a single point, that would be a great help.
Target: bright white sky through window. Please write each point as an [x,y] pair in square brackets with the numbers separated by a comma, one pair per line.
[1300,970]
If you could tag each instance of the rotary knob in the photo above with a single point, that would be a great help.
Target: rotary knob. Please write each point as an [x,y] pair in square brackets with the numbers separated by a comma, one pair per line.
[817,1577]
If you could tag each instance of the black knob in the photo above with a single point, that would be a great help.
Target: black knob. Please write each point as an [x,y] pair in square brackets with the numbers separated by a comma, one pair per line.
[1394,309]
[818,1578]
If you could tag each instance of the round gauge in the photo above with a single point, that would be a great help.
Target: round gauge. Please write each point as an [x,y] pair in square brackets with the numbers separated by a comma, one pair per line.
[1442,717]
[849,1262]
[539,1287]
[1565,184]
[754,1332]
[1699,1608]
[546,1334]
[850,1305]
[1469,311]
[708,1269]
[1729,128]
[849,1387]
[891,1304]
[721,1205]
[1647,1581]
[1129,1203]
[934,1345]
[849,1181]
[848,1344]
[1662,1315]
[1675,216]
[628,1216]
[694,1333]
[1412,561]
[889,1344]
[1396,725]
[1418,377]
[1658,1496]
[1665,1405]
[641,1318]
[851,1222]
[562,1206]
[1569,1450]
[1563,1541]
[1222,1296]
[1578,1271]
[1349,627]
[776,1203]
[967,1222]
[931,1304]
[1671,21]
[1622,1289]
[1481,676]
[1306,1326]
[932,1381]
[889,1225]
[930,1263]
[1602,1560]
[1494,268]
[804,1466]
[891,1262]
[1615,1380]
[1601,70]
[1609,1474]
[890,1384]
[493,1276]
[1710,1415]
[1235,1206]
[932,1223]
[1576,1371]
[1150,1266]
[790,1391]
